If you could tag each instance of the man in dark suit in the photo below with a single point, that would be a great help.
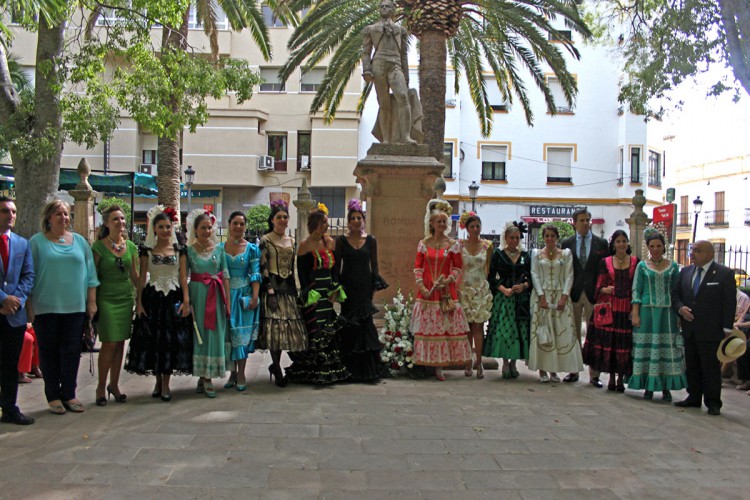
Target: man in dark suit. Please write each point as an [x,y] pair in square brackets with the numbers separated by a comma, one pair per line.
[17,269]
[588,250]
[706,299]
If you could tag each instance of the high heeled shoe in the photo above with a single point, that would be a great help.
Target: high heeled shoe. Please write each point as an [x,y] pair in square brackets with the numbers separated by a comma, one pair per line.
[275,371]
[439,374]
[232,381]
[166,398]
[119,398]
[101,401]
[479,368]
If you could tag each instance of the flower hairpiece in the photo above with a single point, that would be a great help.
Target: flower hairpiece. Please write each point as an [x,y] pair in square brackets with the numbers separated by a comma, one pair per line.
[171,213]
[322,208]
[210,216]
[280,204]
[522,227]
[464,217]
[354,205]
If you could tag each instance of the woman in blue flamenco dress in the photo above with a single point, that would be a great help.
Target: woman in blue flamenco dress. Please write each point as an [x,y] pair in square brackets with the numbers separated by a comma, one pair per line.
[243,262]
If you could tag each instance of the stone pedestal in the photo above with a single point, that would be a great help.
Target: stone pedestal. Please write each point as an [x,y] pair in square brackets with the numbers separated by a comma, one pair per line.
[397,181]
[304,204]
[638,221]
[84,196]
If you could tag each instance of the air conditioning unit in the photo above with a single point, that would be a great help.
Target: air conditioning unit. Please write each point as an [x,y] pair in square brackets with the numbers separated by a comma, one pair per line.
[147,168]
[265,163]
[305,162]
[450,102]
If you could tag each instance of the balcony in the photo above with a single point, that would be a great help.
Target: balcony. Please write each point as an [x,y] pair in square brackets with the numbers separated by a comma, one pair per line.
[747,216]
[717,218]
[684,220]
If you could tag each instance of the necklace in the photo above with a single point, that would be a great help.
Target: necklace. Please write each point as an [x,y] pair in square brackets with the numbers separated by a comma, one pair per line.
[621,261]
[657,263]
[206,249]
[239,242]
[511,252]
[61,239]
[115,246]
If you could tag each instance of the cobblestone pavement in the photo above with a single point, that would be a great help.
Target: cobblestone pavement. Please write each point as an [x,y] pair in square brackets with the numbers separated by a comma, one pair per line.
[463,438]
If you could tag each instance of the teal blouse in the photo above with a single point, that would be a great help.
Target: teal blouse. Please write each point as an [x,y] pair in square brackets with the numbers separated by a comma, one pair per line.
[64,273]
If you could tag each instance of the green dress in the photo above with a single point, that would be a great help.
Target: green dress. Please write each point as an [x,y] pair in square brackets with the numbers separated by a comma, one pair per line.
[115,296]
[208,357]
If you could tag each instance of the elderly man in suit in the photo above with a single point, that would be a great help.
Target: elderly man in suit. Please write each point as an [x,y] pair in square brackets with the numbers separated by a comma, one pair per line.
[17,269]
[705,298]
[588,250]
[388,68]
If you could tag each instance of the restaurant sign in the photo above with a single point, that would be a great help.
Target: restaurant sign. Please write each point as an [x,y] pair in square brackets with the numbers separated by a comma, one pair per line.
[553,211]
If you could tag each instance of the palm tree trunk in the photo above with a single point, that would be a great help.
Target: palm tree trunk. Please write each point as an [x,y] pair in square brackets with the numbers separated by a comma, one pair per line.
[37,178]
[168,178]
[432,67]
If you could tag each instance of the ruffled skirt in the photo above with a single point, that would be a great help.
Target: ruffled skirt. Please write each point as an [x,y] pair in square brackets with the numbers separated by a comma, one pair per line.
[476,302]
[439,338]
[283,329]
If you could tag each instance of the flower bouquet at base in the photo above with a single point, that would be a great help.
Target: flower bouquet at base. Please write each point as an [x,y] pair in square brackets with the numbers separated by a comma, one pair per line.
[398,340]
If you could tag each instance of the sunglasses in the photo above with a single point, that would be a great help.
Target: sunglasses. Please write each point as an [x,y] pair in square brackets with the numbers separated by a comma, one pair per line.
[120,264]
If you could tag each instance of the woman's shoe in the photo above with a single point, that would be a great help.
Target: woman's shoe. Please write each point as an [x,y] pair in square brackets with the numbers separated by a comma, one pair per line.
[620,387]
[543,378]
[232,380]
[23,379]
[666,396]
[274,371]
[506,372]
[36,372]
[199,389]
[744,386]
[166,398]
[439,374]
[119,398]
[101,401]
[74,405]
[56,407]
[467,370]
[648,395]
[480,369]
[554,378]
[209,389]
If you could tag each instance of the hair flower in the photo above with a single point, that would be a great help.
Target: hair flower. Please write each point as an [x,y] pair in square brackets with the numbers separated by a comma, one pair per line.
[171,213]
[280,204]
[464,217]
[323,208]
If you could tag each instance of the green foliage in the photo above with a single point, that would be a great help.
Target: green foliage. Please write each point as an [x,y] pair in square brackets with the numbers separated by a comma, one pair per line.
[565,228]
[663,44]
[108,202]
[257,218]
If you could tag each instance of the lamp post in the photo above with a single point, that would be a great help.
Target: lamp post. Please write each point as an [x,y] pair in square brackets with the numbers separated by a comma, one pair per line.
[473,188]
[189,178]
[697,206]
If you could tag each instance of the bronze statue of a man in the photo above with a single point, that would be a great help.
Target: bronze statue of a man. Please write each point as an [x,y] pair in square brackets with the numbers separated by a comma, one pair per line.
[384,63]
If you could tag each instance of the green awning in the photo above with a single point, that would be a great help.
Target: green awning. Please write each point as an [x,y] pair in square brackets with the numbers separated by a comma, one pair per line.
[110,185]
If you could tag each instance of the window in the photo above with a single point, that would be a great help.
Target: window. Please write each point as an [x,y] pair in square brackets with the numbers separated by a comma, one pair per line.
[683,215]
[221,18]
[558,164]
[560,36]
[333,198]
[497,100]
[448,160]
[270,18]
[303,150]
[150,156]
[721,213]
[621,164]
[109,16]
[493,162]
[720,250]
[635,164]
[271,81]
[555,88]
[277,149]
[682,252]
[654,169]
[312,79]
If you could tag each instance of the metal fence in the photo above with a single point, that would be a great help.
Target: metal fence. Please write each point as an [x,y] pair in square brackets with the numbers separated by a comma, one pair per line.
[735,257]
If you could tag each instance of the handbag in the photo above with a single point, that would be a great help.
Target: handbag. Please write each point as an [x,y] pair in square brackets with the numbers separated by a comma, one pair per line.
[447,304]
[543,336]
[602,314]
[88,340]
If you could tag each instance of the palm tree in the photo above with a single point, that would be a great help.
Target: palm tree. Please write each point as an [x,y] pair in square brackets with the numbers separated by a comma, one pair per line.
[500,36]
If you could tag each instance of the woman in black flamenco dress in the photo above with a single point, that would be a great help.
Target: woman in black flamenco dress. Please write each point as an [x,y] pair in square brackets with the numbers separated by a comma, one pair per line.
[357,265]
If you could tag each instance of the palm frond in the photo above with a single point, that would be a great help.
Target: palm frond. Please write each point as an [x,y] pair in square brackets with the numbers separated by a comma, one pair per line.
[205,13]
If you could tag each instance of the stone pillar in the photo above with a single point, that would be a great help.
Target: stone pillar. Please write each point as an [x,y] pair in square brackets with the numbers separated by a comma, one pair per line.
[304,204]
[397,181]
[638,221]
[84,196]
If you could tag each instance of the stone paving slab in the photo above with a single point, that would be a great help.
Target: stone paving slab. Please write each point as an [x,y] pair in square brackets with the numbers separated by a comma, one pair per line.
[403,438]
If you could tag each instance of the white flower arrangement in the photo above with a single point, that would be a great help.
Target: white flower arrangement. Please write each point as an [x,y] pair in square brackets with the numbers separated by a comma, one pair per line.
[396,336]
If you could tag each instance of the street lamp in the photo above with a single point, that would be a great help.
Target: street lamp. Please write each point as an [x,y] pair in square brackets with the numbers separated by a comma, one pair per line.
[473,188]
[697,206]
[189,178]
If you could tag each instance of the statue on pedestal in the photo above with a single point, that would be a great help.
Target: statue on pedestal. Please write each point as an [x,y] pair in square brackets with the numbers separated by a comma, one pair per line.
[384,63]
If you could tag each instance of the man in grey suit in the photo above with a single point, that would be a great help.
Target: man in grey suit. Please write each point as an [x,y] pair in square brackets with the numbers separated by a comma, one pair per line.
[706,299]
[588,250]
[17,269]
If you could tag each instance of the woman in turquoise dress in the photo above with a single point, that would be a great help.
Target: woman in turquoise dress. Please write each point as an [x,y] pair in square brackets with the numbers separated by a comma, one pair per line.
[115,258]
[209,287]
[243,262]
[510,283]
[321,362]
[658,362]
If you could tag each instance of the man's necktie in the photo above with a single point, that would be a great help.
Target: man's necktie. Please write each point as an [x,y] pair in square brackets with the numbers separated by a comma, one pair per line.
[697,281]
[582,253]
[4,251]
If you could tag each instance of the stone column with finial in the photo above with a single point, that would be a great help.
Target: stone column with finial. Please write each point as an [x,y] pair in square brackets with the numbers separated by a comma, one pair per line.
[84,196]
[638,221]
[304,204]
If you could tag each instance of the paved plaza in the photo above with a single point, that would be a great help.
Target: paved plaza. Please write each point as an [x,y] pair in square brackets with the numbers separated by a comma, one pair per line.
[403,438]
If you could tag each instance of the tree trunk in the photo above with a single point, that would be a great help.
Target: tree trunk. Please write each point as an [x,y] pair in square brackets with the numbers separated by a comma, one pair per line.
[37,178]
[432,67]
[168,178]
[735,17]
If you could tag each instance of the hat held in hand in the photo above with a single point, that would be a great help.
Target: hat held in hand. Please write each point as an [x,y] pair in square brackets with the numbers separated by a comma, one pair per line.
[732,347]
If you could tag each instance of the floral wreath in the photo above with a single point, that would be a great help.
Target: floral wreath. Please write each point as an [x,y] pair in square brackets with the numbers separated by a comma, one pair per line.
[464,217]
[280,205]
[190,222]
[150,232]
[355,205]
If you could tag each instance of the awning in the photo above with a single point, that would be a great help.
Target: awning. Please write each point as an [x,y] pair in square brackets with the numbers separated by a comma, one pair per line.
[544,220]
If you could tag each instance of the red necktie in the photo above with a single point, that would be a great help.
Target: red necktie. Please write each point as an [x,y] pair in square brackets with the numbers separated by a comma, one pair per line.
[4,251]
